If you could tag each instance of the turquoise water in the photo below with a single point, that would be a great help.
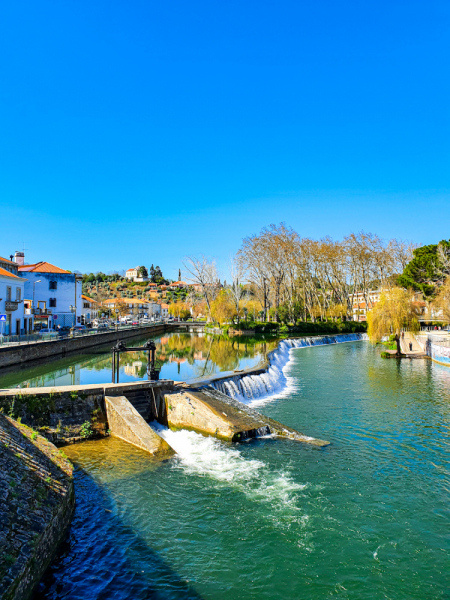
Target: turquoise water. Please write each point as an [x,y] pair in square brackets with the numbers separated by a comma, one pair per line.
[366,517]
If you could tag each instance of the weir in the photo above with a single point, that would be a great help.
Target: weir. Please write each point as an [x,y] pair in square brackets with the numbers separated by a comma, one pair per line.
[267,381]
[215,406]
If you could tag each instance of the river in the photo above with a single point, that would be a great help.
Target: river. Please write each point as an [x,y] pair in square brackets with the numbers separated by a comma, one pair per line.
[367,517]
[180,356]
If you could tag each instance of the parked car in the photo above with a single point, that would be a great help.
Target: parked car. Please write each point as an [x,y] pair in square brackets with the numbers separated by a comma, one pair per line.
[47,332]
[102,327]
[77,329]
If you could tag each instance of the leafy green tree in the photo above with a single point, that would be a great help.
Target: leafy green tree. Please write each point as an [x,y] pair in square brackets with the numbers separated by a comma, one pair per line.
[427,269]
[142,272]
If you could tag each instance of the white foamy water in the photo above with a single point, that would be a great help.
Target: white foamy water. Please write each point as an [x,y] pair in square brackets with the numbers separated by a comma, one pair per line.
[208,457]
[274,383]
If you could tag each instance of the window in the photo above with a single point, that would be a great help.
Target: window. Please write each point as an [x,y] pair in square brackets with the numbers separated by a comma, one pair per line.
[18,294]
[8,293]
[53,285]
[42,305]
[52,302]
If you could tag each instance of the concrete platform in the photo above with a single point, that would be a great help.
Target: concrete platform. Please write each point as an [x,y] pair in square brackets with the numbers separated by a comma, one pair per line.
[127,424]
[210,412]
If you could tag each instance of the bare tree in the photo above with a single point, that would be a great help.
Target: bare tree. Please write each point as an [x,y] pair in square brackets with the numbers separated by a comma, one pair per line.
[235,290]
[202,272]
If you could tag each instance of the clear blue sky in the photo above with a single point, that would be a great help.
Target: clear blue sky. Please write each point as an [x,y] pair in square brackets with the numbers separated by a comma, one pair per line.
[137,132]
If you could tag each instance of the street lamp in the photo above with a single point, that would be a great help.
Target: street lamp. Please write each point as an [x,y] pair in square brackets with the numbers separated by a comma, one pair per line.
[73,311]
[34,283]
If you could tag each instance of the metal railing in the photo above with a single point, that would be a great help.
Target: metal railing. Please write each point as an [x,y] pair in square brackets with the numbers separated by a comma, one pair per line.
[36,338]
[431,338]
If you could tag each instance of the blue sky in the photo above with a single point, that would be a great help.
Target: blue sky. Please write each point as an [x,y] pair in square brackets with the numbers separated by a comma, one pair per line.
[140,132]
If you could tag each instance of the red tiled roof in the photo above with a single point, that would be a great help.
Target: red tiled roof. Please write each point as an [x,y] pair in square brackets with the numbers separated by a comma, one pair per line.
[7,260]
[42,267]
[6,273]
[88,299]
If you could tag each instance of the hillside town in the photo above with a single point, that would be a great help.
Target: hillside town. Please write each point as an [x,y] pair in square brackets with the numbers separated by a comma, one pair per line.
[45,298]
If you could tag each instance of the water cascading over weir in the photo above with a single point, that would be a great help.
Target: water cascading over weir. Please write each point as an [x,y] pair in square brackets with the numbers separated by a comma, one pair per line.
[271,380]
[217,406]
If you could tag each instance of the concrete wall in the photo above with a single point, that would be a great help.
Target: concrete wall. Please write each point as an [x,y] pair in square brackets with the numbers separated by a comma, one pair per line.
[438,352]
[11,355]
[37,503]
[126,423]
[69,414]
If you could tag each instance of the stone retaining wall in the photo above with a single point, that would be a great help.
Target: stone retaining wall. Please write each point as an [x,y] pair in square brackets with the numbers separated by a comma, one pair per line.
[69,414]
[36,507]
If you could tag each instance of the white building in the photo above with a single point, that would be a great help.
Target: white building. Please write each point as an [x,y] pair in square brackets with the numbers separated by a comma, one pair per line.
[132,273]
[18,322]
[54,294]
[164,311]
[89,310]
[359,306]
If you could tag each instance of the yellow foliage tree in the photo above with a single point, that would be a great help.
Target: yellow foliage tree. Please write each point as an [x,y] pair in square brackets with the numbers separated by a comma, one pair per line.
[222,309]
[395,310]
[180,310]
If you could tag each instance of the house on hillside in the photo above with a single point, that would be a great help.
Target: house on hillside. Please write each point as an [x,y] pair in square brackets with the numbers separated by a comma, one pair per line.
[177,285]
[18,321]
[133,275]
[53,294]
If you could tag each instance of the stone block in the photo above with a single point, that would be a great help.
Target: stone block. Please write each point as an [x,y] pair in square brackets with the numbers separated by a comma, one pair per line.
[126,423]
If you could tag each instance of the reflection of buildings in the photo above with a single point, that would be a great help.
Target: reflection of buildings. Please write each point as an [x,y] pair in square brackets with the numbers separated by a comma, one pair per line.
[67,376]
[134,368]
[199,356]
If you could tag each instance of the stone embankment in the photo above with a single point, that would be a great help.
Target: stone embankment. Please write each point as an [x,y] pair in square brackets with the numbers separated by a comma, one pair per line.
[36,507]
[36,351]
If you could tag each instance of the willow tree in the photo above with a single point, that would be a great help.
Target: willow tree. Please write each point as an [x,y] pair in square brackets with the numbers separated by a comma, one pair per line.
[396,310]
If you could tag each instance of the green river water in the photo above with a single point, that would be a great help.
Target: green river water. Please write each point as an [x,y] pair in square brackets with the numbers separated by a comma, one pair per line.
[365,518]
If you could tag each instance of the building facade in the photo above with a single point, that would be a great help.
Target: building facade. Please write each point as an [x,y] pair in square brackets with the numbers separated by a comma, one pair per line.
[18,321]
[363,303]
[53,294]
[89,310]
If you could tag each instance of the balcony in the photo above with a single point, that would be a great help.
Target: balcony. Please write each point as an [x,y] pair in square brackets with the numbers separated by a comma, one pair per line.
[10,305]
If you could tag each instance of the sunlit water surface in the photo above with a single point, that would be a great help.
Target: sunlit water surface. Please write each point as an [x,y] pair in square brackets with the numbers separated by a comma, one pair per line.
[179,356]
[366,517]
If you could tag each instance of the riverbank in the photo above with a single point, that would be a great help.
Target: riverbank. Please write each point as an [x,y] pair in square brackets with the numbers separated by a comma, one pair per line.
[36,508]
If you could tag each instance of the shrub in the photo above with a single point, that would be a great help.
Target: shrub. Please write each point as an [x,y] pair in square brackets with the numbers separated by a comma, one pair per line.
[86,430]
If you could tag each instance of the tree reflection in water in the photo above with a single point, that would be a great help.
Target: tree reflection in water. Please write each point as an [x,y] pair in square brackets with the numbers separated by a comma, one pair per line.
[205,354]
